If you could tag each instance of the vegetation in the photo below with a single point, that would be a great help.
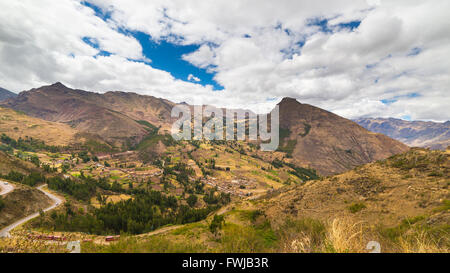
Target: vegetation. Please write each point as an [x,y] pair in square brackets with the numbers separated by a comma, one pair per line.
[81,190]
[356,207]
[144,213]
[31,180]
[2,203]
[192,200]
[303,173]
[307,129]
[216,224]
[26,144]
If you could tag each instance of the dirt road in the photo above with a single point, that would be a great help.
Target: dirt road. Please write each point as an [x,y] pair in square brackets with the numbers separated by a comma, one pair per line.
[56,202]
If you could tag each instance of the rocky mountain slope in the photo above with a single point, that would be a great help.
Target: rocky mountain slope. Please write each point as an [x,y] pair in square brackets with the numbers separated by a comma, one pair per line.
[329,143]
[313,137]
[6,94]
[113,116]
[413,133]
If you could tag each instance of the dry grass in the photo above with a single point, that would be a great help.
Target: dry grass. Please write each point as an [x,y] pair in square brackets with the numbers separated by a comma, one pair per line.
[421,242]
[344,236]
[15,124]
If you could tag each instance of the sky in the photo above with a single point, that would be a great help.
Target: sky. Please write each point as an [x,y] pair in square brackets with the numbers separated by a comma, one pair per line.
[356,58]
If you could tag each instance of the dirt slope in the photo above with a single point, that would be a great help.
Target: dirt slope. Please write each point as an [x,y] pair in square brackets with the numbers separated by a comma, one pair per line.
[329,143]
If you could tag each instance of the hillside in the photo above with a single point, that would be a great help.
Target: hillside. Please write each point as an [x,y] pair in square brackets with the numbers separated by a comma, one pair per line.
[313,137]
[17,124]
[413,133]
[9,163]
[22,202]
[6,94]
[405,185]
[84,111]
[329,143]
[401,202]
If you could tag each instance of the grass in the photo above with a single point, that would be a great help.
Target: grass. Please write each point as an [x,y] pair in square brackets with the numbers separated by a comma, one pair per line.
[415,235]
[356,207]
[154,244]
[445,206]
[301,235]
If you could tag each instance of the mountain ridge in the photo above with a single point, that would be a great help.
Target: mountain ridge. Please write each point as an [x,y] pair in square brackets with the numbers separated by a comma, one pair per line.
[425,134]
[329,143]
[312,137]
[6,94]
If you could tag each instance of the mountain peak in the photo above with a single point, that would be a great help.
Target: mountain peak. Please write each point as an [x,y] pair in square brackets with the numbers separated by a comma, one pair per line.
[6,94]
[288,100]
[58,85]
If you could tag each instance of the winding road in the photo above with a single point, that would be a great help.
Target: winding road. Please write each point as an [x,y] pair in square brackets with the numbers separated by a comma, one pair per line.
[56,202]
[5,187]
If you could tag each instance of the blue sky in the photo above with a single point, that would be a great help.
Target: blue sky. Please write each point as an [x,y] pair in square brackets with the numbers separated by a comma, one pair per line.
[163,55]
[167,56]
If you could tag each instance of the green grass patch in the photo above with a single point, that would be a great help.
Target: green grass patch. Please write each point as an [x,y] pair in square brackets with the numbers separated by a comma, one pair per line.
[356,207]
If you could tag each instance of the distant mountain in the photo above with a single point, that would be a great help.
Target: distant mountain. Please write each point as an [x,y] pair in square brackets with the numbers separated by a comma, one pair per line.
[6,94]
[312,137]
[413,133]
[327,142]
[114,116]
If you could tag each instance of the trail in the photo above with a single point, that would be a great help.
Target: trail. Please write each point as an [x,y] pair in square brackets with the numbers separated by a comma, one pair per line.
[5,187]
[56,202]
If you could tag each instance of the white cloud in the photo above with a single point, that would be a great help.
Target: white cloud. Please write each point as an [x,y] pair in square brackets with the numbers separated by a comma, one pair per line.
[193,78]
[258,50]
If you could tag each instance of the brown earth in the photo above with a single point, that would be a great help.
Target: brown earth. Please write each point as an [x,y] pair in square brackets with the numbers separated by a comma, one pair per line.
[22,202]
[16,124]
[9,163]
[404,186]
[329,143]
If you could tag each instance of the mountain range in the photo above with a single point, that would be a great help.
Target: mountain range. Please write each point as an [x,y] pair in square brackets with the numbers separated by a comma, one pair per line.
[6,94]
[310,136]
[329,143]
[425,134]
[113,116]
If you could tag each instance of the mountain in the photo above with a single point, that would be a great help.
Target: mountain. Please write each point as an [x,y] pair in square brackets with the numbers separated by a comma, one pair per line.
[16,124]
[331,144]
[383,187]
[6,94]
[114,116]
[23,200]
[413,133]
[312,137]
[400,199]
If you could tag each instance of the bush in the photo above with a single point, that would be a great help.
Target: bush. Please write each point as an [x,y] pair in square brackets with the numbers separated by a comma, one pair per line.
[356,207]
[2,203]
[216,223]
[192,200]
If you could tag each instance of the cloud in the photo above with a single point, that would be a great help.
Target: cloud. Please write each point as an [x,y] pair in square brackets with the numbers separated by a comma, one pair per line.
[256,50]
[193,78]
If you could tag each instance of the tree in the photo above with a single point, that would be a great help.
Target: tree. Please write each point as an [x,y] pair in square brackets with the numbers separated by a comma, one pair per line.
[35,160]
[216,224]
[2,203]
[192,200]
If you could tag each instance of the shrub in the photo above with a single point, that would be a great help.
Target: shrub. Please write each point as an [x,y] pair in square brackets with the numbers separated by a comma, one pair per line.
[356,207]
[2,203]
[217,223]
[192,200]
